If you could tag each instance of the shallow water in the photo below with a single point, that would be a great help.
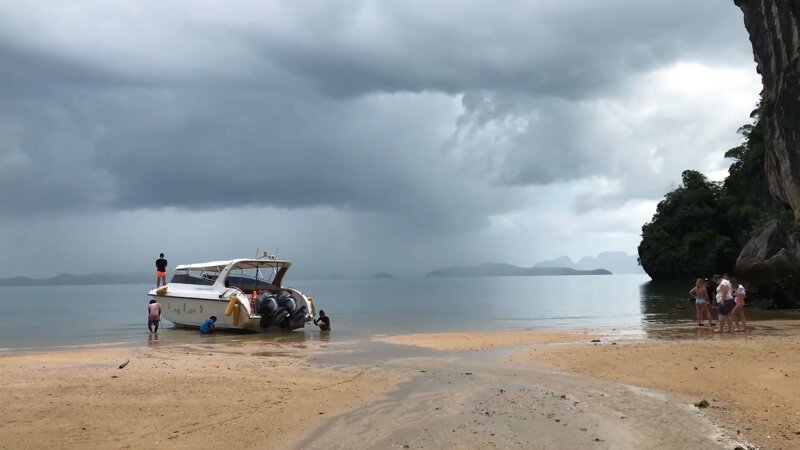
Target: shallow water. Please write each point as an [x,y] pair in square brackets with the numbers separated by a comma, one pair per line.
[64,316]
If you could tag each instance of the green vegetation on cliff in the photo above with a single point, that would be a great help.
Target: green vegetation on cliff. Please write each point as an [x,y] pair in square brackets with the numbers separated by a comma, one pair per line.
[701,226]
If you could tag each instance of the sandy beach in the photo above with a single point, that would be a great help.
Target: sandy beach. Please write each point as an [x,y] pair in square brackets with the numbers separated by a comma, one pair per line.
[485,341]
[751,381]
[188,396]
[441,390]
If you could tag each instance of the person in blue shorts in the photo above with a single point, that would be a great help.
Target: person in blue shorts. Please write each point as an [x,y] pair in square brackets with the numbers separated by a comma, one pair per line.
[208,326]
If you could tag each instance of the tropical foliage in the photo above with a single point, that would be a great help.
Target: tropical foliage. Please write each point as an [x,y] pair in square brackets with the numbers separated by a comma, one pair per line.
[701,226]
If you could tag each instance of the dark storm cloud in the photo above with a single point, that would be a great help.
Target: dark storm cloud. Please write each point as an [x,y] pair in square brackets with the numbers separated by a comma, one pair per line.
[569,49]
[423,111]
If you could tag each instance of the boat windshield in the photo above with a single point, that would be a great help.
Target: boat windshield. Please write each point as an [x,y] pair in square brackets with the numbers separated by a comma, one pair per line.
[248,277]
[204,276]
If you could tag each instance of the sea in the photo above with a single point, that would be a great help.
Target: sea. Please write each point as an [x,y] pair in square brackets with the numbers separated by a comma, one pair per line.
[49,317]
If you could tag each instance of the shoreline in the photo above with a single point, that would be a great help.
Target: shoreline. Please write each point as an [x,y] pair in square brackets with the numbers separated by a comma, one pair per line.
[751,380]
[182,396]
[517,388]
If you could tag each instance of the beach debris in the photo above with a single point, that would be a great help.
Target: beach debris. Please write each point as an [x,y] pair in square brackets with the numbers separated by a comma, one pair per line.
[702,404]
[122,366]
[467,373]
[595,340]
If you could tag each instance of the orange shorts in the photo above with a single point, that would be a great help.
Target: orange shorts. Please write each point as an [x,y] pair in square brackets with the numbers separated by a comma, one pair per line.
[161,274]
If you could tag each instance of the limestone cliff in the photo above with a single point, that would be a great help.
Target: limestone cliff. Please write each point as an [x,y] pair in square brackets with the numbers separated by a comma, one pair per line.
[775,36]
[770,265]
[771,261]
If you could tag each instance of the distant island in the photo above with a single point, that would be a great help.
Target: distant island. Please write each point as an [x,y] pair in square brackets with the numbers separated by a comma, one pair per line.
[382,275]
[615,261]
[66,279]
[509,270]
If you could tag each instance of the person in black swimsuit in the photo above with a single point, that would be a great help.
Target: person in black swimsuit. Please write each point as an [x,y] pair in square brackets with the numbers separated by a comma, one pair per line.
[324,322]
[161,271]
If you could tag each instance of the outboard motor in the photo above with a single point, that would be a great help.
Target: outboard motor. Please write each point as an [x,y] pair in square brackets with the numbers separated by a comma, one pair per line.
[260,301]
[299,315]
[269,310]
[286,301]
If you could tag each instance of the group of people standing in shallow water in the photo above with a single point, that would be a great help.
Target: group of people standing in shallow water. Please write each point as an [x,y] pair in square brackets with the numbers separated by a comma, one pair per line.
[729,298]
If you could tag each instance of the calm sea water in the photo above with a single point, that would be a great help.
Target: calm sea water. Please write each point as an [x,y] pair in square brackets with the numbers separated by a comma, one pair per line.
[63,316]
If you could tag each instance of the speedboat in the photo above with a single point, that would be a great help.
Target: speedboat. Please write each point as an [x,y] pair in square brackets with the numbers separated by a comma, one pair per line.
[244,294]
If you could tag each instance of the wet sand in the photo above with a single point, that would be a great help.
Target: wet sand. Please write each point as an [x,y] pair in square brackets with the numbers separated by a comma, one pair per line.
[448,390]
[751,380]
[179,397]
[485,341]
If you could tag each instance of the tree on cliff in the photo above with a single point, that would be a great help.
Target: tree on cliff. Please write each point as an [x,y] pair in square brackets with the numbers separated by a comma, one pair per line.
[701,227]
[684,239]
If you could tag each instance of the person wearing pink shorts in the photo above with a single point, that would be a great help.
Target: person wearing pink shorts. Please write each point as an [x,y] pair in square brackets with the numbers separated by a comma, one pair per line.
[161,271]
[739,294]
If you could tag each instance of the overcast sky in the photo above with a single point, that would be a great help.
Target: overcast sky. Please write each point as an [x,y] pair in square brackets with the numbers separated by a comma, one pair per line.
[355,136]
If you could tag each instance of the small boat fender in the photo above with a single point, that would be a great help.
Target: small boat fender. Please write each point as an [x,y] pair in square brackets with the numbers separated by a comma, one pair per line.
[234,300]
[313,308]
[235,313]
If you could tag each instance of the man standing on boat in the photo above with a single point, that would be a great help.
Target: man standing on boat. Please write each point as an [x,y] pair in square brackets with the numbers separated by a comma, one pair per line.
[161,271]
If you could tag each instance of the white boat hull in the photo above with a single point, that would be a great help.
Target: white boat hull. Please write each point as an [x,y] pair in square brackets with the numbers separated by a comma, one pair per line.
[192,312]
[199,291]
[188,312]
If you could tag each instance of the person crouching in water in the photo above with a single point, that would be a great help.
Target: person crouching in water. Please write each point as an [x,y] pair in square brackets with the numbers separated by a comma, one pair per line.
[324,322]
[737,314]
[702,306]
[208,326]
[153,316]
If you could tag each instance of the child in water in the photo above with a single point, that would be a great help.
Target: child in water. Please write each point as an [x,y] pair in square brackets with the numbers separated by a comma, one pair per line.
[701,303]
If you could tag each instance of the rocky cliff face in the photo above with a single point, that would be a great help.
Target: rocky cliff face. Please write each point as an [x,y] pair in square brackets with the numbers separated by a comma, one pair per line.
[771,261]
[775,35]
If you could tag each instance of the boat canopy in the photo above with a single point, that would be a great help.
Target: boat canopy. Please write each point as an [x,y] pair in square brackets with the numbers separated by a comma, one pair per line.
[238,263]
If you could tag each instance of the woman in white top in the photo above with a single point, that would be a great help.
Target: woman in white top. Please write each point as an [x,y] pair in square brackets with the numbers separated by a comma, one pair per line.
[724,303]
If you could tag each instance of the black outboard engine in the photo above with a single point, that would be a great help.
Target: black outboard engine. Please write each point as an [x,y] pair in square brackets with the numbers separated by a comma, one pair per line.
[299,315]
[286,301]
[269,310]
[288,304]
